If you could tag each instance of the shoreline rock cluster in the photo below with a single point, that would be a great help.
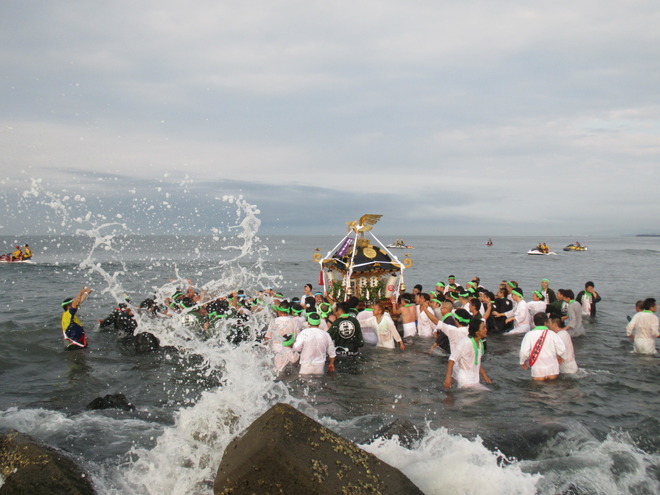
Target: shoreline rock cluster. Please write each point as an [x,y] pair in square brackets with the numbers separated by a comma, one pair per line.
[282,452]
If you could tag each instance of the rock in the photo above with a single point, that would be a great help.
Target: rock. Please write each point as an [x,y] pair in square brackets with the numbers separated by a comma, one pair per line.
[407,432]
[146,342]
[30,467]
[111,401]
[286,452]
[524,441]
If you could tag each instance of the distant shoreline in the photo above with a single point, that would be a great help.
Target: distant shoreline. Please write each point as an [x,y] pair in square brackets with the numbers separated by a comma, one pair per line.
[647,235]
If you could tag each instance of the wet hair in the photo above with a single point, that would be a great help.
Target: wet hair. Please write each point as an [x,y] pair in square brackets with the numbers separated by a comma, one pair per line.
[540,319]
[489,295]
[310,286]
[343,307]
[426,297]
[296,309]
[557,321]
[462,316]
[648,303]
[67,301]
[474,326]
[589,284]
[639,305]
[353,301]
[418,287]
[567,293]
[284,307]
[476,304]
[406,297]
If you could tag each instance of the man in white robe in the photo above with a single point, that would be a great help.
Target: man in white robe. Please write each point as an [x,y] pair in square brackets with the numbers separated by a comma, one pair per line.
[541,349]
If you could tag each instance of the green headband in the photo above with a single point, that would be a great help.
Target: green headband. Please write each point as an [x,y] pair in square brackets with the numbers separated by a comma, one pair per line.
[539,294]
[511,284]
[313,321]
[460,319]
[516,292]
[297,311]
[441,284]
[289,340]
[68,301]
[545,280]
[436,300]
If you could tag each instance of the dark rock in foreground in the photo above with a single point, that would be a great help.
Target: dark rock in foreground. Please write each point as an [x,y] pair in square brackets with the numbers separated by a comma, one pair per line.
[111,401]
[30,467]
[286,452]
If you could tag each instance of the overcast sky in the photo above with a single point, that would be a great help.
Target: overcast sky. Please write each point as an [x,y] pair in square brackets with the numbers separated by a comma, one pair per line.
[485,117]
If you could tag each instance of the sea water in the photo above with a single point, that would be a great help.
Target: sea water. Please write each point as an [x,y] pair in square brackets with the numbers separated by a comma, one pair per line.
[594,433]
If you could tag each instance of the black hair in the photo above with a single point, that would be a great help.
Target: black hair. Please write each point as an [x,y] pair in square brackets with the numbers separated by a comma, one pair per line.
[344,307]
[474,327]
[648,303]
[426,297]
[540,319]
[463,314]
[589,284]
[309,285]
[418,287]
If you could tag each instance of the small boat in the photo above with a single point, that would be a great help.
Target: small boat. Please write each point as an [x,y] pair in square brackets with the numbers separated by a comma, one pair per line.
[538,252]
[6,258]
[576,247]
[399,244]
[489,243]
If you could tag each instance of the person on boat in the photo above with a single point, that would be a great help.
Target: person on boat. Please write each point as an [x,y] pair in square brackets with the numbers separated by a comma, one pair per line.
[385,328]
[17,255]
[345,331]
[548,293]
[588,299]
[72,328]
[643,328]
[464,363]
[27,252]
[573,318]
[520,318]
[541,350]
[577,244]
[568,365]
[314,344]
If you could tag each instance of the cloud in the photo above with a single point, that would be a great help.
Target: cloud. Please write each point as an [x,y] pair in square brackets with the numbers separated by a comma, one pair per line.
[468,113]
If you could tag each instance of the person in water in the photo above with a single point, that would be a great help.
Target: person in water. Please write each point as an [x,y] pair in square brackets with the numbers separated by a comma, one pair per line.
[464,363]
[588,299]
[541,350]
[568,365]
[72,329]
[314,344]
[345,331]
[122,320]
[643,328]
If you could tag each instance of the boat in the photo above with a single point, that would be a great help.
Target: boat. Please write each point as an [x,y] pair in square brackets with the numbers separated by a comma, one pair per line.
[538,252]
[7,258]
[399,244]
[362,267]
[489,243]
[576,247]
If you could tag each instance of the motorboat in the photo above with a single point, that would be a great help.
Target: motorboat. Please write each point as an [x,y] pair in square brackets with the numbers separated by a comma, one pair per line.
[576,247]
[399,244]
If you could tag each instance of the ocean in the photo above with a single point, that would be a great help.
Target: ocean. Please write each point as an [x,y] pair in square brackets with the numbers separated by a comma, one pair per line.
[595,433]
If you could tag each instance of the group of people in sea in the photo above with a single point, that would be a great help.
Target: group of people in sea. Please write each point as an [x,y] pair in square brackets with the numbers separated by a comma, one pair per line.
[313,329]
[19,254]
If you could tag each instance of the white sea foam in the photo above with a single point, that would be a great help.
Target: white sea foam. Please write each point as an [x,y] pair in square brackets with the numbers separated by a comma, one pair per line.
[444,463]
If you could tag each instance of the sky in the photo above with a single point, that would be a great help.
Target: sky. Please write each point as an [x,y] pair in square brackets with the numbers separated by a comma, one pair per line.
[475,117]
